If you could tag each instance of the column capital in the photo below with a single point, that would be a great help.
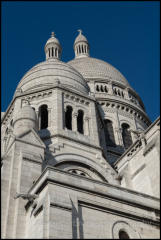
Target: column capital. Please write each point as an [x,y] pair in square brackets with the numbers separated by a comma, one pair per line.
[75,114]
[86,118]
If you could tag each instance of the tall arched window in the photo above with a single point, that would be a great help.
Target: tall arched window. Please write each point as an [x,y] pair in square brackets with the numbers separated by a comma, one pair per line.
[109,133]
[123,235]
[82,49]
[68,117]
[126,135]
[43,115]
[97,88]
[102,89]
[80,121]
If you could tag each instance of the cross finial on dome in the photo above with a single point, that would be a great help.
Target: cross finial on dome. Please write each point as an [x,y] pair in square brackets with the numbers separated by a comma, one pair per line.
[80,31]
[52,34]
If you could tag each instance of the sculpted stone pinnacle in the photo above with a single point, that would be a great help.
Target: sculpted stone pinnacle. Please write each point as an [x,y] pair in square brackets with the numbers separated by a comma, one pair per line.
[52,34]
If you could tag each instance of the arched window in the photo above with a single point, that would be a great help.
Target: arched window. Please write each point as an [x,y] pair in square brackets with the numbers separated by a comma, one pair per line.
[6,132]
[109,133]
[105,88]
[82,49]
[11,123]
[49,52]
[80,121]
[79,49]
[52,52]
[102,89]
[43,114]
[85,48]
[68,117]
[123,235]
[126,136]
[97,88]
[115,92]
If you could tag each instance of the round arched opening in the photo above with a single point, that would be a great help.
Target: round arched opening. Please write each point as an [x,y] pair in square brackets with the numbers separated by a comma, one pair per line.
[123,235]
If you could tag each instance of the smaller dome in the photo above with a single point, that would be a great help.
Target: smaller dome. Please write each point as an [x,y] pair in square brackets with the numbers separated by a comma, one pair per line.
[53,39]
[80,38]
[45,74]
[25,119]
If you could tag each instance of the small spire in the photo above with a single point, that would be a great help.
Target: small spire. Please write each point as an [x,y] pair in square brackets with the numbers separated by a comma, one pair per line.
[52,34]
[80,31]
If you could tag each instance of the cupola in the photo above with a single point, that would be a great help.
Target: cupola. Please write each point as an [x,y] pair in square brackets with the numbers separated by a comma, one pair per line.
[53,48]
[81,46]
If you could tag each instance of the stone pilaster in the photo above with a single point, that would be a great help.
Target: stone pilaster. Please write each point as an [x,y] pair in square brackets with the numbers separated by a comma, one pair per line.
[86,126]
[57,113]
[126,92]
[110,89]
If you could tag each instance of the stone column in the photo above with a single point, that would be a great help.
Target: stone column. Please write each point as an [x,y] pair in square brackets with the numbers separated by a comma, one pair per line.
[118,130]
[110,89]
[57,120]
[118,136]
[94,132]
[133,136]
[49,117]
[126,92]
[4,144]
[74,121]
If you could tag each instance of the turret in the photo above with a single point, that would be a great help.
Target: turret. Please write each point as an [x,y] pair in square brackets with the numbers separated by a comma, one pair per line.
[81,46]
[25,120]
[53,48]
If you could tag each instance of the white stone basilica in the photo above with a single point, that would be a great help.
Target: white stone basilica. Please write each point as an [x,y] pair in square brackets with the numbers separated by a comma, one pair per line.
[80,157]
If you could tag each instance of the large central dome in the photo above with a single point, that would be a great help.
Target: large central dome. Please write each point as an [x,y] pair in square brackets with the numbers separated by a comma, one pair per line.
[92,68]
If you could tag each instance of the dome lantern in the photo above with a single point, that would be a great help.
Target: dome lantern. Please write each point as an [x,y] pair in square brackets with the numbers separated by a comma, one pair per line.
[53,48]
[81,46]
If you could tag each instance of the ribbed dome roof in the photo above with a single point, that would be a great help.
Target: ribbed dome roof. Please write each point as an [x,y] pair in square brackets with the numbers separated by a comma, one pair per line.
[80,38]
[45,74]
[92,68]
[53,39]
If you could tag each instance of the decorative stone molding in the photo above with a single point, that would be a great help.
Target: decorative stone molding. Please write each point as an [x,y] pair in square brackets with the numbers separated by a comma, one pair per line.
[124,110]
[126,227]
[135,148]
[75,98]
[38,95]
[8,117]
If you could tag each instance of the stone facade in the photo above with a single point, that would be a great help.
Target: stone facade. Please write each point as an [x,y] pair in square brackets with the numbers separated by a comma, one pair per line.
[80,157]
